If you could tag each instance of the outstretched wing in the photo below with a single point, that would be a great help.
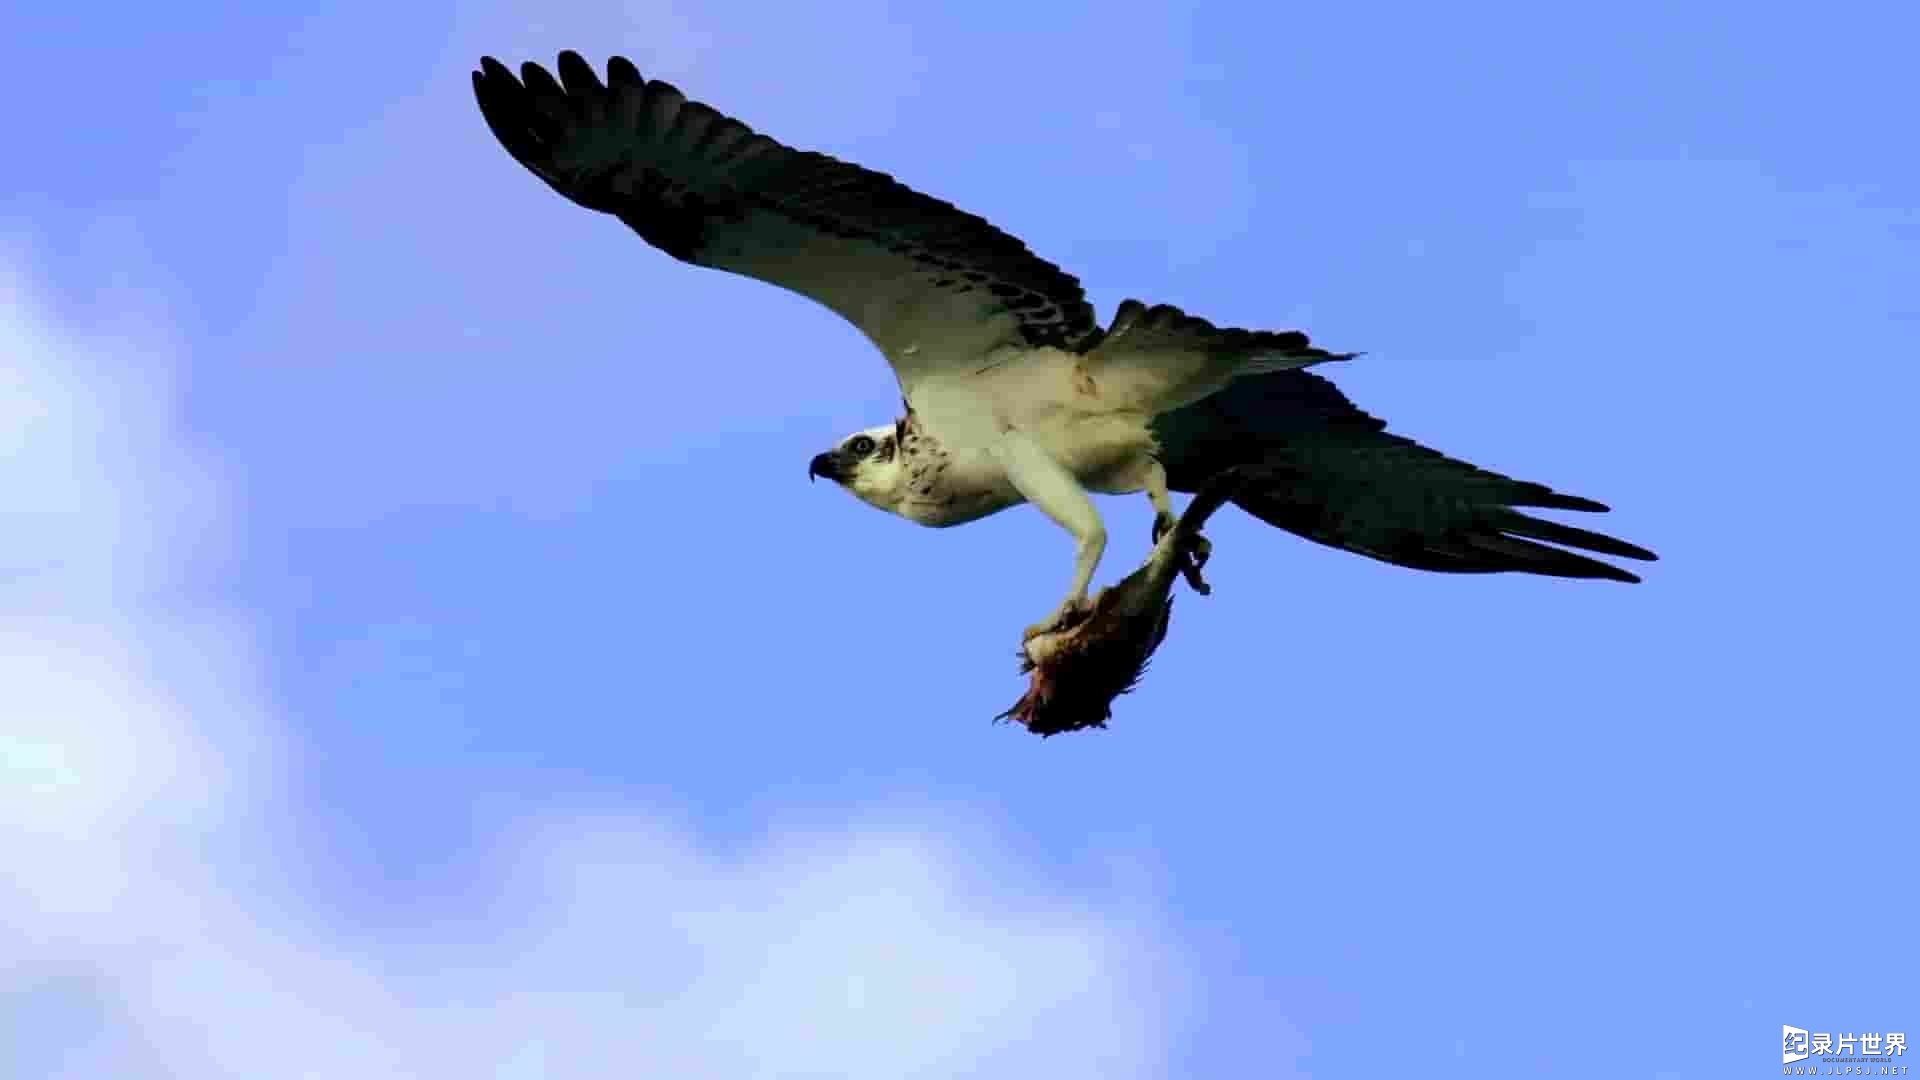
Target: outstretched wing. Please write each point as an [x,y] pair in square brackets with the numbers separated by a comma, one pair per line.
[1155,359]
[932,286]
[1324,469]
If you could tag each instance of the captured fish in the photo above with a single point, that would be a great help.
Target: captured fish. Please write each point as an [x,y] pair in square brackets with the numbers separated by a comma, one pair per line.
[1078,670]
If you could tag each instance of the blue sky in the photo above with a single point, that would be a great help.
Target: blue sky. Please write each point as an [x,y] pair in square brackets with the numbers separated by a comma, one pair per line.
[426,656]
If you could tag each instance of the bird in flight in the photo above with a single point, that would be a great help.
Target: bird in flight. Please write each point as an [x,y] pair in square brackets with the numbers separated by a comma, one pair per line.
[1013,392]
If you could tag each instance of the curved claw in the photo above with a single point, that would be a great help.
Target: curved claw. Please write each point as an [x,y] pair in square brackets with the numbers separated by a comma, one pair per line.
[1072,610]
[1162,525]
[1201,550]
[1193,557]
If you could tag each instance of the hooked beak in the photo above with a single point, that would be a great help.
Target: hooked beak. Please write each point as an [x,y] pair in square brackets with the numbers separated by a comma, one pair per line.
[823,465]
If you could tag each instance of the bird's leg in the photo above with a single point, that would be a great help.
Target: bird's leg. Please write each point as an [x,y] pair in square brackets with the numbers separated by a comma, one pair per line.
[1199,548]
[1051,487]
[1162,500]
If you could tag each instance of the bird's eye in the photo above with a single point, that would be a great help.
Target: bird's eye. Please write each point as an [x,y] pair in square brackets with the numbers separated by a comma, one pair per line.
[861,445]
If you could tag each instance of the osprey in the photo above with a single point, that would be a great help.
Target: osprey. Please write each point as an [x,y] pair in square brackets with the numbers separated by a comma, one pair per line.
[1013,392]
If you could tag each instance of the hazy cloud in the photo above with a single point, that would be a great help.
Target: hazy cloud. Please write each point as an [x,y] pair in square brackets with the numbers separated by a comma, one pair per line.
[147,923]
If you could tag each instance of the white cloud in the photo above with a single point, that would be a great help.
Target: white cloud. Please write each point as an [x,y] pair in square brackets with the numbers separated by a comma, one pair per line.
[144,926]
[101,514]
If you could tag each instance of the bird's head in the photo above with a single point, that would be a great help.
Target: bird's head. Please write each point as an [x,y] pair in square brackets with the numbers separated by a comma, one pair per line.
[866,463]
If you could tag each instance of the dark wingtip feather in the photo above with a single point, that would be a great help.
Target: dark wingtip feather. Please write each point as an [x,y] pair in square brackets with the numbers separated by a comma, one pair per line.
[1535,528]
[621,72]
[539,80]
[1610,572]
[577,75]
[1553,500]
[499,96]
[1517,553]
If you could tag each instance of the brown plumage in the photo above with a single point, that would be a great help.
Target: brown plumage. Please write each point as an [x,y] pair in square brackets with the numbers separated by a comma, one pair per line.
[1076,672]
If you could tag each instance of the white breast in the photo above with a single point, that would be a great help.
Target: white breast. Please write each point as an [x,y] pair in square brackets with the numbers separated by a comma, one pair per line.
[1042,392]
